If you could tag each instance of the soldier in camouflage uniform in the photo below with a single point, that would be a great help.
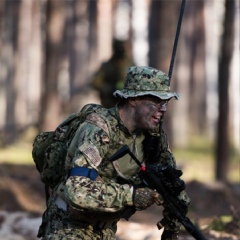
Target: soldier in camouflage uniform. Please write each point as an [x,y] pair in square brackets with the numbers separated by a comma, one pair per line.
[110,75]
[97,193]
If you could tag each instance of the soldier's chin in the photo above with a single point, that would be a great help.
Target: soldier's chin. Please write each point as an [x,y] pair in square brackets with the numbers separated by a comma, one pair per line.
[152,126]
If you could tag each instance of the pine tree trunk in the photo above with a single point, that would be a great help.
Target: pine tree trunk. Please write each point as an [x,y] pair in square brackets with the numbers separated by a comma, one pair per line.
[226,51]
[51,106]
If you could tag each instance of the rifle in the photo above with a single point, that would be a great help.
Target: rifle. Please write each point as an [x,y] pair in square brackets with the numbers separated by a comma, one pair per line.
[166,181]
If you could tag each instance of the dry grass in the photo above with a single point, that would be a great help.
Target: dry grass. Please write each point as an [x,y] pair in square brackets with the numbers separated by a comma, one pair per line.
[198,162]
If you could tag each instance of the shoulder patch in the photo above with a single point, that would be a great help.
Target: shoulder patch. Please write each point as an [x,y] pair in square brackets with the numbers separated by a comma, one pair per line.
[92,154]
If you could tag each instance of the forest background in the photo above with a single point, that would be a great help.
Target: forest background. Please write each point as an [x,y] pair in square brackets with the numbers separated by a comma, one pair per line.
[50,50]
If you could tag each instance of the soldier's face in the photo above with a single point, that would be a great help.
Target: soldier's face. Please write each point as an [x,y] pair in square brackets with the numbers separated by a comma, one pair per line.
[149,110]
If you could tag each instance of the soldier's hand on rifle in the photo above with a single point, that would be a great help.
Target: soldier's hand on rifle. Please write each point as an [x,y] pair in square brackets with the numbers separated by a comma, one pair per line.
[144,197]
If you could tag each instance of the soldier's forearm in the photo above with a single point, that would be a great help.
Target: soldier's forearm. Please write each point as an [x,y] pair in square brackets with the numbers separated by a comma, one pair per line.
[82,192]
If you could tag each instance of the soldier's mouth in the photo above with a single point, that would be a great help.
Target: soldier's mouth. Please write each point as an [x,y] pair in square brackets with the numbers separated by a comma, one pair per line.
[156,119]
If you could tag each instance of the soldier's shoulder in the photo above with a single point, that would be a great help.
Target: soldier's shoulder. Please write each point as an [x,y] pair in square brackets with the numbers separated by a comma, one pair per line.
[99,112]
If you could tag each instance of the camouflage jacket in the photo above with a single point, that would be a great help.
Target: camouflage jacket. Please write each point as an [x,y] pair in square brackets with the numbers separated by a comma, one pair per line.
[98,138]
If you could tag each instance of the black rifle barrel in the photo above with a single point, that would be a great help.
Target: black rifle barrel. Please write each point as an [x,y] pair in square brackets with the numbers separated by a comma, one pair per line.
[176,40]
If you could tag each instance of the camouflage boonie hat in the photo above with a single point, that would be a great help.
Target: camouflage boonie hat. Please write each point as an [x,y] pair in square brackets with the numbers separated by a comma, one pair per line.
[141,81]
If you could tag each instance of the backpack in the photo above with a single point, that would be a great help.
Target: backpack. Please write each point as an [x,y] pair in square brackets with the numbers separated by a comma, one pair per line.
[50,148]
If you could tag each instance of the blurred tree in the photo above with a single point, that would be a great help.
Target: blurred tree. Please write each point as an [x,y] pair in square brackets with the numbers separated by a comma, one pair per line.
[55,23]
[20,38]
[9,45]
[26,78]
[162,28]
[78,45]
[92,38]
[105,21]
[195,38]
[226,51]
[34,59]
[76,65]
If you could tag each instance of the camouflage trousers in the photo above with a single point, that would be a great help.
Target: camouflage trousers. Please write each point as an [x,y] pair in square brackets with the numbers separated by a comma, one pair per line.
[56,226]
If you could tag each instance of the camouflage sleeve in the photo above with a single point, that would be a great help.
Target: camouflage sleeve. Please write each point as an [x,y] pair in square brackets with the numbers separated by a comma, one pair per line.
[91,144]
[84,193]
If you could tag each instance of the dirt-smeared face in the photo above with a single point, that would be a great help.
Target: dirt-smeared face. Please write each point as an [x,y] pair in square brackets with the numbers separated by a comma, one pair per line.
[149,110]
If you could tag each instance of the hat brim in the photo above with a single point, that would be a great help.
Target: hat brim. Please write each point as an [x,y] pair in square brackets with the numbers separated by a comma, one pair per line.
[132,93]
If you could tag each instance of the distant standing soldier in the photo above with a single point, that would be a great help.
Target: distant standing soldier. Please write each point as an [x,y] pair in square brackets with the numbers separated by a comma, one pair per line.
[111,74]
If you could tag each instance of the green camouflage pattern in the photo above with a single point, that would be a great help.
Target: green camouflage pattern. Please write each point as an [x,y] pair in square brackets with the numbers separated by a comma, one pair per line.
[57,225]
[143,80]
[107,198]
[50,148]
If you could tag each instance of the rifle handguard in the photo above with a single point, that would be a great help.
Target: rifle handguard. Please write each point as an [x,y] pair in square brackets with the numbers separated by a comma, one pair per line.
[170,177]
